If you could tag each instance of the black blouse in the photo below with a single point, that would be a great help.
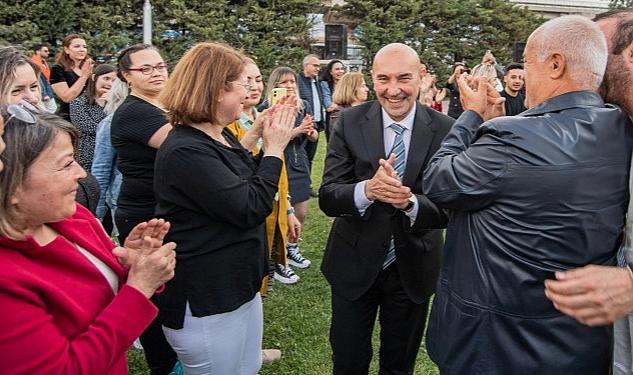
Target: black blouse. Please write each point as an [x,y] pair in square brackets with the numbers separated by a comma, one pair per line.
[217,199]
[59,74]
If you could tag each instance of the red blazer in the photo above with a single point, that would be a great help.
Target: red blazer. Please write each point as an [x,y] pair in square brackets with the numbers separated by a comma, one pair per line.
[59,314]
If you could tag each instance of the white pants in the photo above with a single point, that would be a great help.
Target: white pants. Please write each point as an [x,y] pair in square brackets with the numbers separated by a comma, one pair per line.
[622,352]
[221,344]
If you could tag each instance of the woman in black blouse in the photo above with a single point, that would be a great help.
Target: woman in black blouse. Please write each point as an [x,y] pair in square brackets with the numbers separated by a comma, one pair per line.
[217,197]
[139,126]
[71,72]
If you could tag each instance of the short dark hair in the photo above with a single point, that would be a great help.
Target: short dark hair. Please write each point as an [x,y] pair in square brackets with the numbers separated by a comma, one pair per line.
[623,35]
[513,66]
[39,46]
[614,13]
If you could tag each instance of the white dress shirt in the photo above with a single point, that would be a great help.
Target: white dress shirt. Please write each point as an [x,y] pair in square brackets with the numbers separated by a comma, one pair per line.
[360,199]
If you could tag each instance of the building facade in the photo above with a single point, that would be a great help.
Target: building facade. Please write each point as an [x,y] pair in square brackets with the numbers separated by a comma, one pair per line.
[556,8]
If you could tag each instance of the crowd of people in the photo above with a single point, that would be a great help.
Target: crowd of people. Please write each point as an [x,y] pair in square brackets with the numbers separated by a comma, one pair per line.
[143,201]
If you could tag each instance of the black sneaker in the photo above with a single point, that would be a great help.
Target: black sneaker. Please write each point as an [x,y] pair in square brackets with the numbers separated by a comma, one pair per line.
[285,274]
[295,258]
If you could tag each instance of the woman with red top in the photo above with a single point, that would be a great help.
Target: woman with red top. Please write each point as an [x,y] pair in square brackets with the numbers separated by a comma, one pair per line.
[72,302]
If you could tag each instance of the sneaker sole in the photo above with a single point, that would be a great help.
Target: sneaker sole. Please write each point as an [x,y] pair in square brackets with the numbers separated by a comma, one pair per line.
[298,265]
[284,280]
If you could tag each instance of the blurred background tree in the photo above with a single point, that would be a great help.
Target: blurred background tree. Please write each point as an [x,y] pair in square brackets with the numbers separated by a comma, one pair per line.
[275,32]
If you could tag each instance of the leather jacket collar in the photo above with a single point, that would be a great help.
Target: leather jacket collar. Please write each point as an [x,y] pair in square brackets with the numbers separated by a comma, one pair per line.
[568,100]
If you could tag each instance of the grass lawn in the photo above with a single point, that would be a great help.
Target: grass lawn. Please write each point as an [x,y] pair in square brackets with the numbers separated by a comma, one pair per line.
[297,317]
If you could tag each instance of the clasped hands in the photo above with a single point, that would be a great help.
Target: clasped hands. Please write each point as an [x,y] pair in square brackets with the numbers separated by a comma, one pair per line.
[151,263]
[476,94]
[386,186]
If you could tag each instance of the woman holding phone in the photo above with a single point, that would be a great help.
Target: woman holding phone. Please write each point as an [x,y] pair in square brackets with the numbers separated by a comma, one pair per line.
[297,163]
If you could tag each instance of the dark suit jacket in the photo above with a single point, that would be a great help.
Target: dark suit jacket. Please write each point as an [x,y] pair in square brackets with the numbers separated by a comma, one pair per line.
[357,245]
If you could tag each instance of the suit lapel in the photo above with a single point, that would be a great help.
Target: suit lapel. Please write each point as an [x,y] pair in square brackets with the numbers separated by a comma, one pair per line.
[421,138]
[373,135]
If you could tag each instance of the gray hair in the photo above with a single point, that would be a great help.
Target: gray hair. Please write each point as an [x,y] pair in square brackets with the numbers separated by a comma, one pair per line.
[24,143]
[580,41]
[116,96]
[10,59]
[306,60]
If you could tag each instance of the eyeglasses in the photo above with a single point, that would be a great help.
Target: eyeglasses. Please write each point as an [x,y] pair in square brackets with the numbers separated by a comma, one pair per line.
[149,69]
[247,86]
[23,111]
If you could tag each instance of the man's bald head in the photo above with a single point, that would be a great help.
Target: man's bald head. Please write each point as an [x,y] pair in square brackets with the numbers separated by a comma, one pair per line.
[396,76]
[579,41]
[565,54]
[398,51]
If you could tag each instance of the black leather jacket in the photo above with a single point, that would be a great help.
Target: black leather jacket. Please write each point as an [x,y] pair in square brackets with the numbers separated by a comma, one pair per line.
[529,195]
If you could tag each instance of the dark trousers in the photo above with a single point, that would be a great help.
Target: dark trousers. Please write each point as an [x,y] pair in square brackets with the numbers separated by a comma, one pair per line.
[401,328]
[159,355]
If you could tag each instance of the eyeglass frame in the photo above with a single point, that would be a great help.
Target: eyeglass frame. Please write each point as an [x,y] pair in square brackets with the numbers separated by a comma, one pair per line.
[23,111]
[160,67]
[247,86]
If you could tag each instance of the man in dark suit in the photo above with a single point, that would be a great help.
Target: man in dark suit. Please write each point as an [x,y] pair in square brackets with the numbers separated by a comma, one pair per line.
[383,252]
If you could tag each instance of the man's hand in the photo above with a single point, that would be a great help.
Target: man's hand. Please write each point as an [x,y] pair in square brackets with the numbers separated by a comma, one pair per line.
[386,186]
[388,166]
[593,295]
[483,98]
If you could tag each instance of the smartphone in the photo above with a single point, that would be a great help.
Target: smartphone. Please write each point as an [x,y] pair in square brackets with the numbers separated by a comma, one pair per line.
[278,93]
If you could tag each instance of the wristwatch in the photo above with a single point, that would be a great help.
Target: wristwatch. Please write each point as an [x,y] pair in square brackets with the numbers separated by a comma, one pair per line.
[409,205]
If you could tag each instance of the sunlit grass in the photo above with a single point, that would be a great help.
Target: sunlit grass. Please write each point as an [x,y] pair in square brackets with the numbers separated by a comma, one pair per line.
[297,317]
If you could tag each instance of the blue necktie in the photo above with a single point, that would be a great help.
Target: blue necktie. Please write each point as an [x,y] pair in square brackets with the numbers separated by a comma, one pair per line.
[399,151]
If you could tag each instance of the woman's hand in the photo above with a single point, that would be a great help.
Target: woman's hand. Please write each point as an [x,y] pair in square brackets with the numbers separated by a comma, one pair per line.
[86,67]
[294,228]
[149,268]
[278,133]
[306,126]
[155,229]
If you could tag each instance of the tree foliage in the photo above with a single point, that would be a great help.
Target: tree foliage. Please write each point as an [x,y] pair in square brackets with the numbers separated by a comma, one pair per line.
[621,4]
[442,31]
[274,32]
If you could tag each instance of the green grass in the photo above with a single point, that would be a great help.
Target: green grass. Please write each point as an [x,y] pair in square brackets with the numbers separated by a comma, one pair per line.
[297,317]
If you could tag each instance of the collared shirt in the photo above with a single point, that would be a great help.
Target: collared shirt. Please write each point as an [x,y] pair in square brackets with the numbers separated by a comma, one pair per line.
[360,199]
[316,101]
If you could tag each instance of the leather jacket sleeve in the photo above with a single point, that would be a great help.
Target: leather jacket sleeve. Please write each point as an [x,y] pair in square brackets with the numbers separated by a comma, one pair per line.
[465,172]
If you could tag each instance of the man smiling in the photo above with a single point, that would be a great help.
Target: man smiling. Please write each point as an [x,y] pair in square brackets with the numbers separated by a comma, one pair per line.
[383,252]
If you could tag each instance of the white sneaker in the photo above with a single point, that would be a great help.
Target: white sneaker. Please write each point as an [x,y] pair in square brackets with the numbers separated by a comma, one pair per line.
[285,274]
[295,258]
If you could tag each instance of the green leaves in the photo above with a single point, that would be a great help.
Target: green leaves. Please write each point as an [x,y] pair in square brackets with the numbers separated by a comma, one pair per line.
[442,31]
[273,32]
[621,4]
